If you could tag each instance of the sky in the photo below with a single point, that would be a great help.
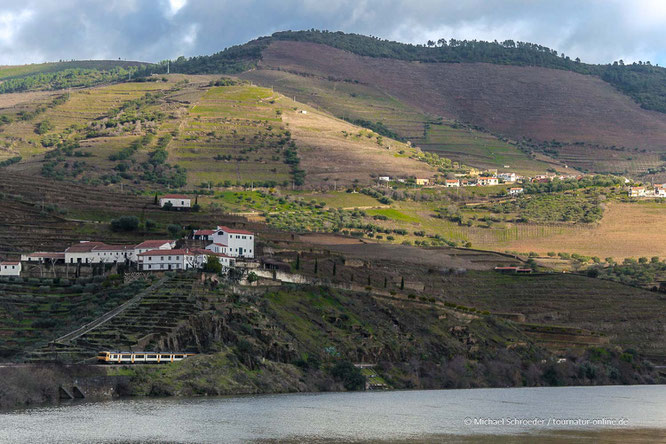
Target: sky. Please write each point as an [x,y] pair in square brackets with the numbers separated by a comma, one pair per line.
[597,31]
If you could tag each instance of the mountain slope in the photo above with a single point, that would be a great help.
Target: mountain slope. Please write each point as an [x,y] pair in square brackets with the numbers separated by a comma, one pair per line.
[178,130]
[592,117]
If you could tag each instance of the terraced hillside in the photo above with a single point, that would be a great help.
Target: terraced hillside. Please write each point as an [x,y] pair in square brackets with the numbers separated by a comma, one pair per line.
[176,131]
[366,104]
[43,214]
[234,134]
[540,104]
[35,311]
[143,325]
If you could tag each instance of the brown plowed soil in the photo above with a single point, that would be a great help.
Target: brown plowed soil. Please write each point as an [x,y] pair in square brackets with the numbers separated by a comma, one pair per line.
[538,103]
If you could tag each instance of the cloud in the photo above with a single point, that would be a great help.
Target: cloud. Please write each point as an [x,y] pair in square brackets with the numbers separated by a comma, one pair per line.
[597,31]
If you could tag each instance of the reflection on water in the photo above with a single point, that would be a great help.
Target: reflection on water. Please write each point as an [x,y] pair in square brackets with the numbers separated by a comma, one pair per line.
[615,414]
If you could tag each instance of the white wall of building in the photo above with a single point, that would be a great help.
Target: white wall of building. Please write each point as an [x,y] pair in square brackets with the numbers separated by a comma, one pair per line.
[176,202]
[10,269]
[238,244]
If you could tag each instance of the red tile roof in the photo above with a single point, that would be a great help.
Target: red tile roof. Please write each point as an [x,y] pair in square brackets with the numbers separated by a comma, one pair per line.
[87,247]
[176,196]
[204,232]
[218,244]
[234,230]
[10,263]
[47,255]
[152,244]
[177,252]
[84,247]
[208,252]
[114,248]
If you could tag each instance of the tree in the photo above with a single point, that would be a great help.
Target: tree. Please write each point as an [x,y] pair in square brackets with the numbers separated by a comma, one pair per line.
[316,266]
[402,283]
[150,225]
[173,229]
[125,223]
[298,262]
[350,376]
[212,265]
[156,199]
[252,277]
[334,268]
[167,206]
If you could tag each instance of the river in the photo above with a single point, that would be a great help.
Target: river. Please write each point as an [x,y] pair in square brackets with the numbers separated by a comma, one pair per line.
[559,414]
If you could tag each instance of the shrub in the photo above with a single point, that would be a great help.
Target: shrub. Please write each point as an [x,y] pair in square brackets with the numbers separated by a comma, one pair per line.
[213,265]
[350,376]
[125,223]
[174,229]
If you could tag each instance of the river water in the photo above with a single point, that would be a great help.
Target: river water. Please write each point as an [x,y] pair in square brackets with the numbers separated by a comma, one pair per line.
[561,414]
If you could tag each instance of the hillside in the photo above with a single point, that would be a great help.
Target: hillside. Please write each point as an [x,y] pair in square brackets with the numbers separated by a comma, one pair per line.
[179,130]
[510,105]
[580,114]
[601,118]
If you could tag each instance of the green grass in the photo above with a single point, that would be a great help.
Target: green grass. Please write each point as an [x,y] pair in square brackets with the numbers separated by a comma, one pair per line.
[393,214]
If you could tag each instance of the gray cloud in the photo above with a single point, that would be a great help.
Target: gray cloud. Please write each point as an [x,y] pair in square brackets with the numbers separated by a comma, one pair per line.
[597,31]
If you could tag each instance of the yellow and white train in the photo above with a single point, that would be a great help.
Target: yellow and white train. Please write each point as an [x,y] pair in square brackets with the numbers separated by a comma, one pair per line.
[114,357]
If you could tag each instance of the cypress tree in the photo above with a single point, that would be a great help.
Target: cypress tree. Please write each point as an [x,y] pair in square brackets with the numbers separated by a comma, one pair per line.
[334,268]
[402,283]
[298,261]
[316,268]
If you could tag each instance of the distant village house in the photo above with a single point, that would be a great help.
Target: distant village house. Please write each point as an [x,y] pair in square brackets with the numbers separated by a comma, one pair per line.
[10,268]
[177,201]
[487,180]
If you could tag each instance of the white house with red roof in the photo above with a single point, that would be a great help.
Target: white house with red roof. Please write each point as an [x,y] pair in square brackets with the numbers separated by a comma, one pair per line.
[86,252]
[637,192]
[452,183]
[204,234]
[10,268]
[149,245]
[515,191]
[217,248]
[660,190]
[176,200]
[487,180]
[42,257]
[161,260]
[239,243]
[179,259]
